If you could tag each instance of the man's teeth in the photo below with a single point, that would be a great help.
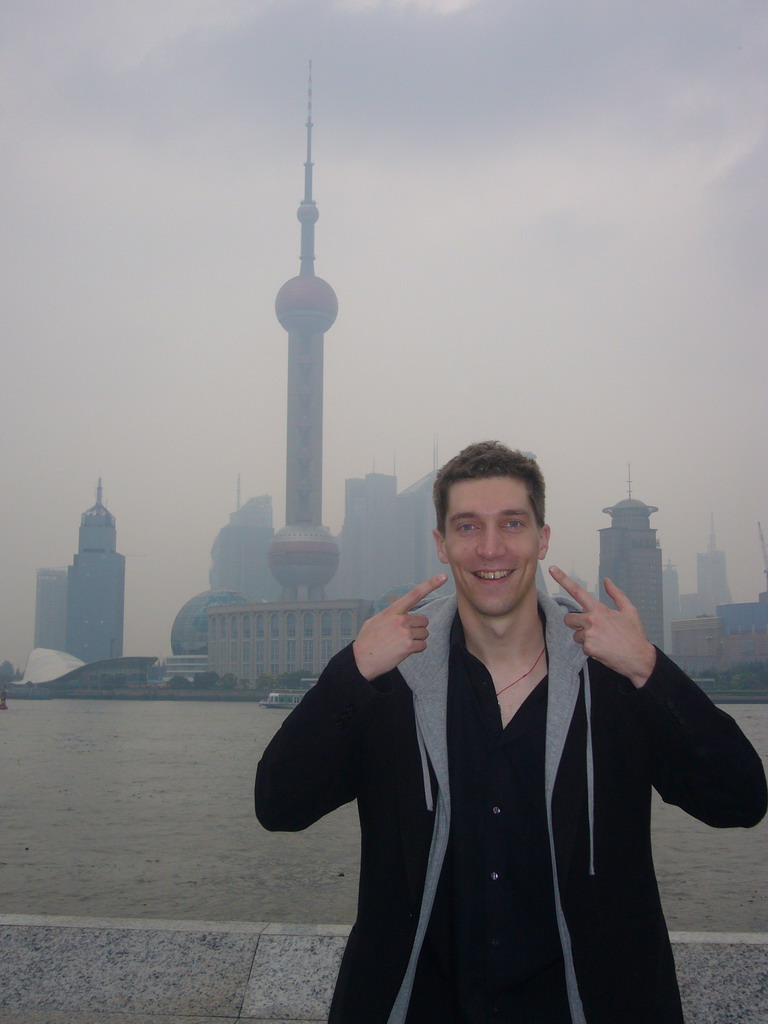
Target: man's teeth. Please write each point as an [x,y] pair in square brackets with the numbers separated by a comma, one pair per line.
[498,574]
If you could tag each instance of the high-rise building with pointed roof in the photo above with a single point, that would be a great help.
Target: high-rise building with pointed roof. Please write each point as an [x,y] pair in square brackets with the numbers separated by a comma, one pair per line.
[96,588]
[711,582]
[304,555]
[711,576]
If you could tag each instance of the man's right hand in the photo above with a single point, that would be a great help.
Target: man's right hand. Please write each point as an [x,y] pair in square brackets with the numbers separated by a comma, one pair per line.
[393,635]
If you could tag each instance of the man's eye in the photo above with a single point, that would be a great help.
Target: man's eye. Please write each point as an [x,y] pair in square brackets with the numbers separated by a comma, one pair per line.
[515,523]
[465,527]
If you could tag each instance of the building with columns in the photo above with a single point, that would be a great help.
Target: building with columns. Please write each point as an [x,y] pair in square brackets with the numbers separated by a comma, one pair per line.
[281,637]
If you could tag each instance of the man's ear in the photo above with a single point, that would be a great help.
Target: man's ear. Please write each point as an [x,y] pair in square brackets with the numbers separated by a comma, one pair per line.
[543,541]
[439,539]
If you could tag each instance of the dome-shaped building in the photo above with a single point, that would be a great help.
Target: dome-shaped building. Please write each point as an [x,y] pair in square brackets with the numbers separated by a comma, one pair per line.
[189,633]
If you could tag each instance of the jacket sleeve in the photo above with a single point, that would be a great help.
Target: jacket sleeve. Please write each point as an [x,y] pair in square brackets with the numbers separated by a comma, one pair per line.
[701,760]
[307,770]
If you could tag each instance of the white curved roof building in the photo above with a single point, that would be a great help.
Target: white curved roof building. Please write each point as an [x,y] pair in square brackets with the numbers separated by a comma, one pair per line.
[43,666]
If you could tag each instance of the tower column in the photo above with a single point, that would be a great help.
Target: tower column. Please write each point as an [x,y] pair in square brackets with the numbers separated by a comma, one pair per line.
[304,442]
[304,555]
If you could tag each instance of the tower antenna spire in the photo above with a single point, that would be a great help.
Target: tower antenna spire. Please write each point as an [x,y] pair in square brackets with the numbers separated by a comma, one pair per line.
[629,479]
[308,163]
[308,212]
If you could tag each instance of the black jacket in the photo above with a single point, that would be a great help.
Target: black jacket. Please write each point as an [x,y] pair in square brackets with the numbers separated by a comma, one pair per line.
[350,739]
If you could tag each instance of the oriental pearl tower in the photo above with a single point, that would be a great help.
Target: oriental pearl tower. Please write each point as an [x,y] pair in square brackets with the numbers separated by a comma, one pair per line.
[304,555]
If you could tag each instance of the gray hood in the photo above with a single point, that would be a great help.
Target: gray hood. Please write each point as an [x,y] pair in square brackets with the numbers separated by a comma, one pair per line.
[427,676]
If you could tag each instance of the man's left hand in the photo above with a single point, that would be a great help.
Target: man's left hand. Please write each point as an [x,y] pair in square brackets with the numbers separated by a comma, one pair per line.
[614,637]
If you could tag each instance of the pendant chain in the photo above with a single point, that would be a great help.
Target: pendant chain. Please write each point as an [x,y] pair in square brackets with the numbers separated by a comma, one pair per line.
[519,678]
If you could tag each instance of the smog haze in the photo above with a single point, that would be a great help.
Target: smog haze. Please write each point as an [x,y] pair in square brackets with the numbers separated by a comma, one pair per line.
[544,222]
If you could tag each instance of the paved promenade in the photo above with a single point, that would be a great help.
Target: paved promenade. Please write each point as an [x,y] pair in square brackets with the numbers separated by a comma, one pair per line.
[71,970]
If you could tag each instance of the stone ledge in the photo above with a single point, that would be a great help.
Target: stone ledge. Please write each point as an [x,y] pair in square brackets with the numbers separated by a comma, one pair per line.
[70,970]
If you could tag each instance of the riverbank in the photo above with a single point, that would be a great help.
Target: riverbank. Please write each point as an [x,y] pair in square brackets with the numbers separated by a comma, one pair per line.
[70,970]
[150,693]
[154,693]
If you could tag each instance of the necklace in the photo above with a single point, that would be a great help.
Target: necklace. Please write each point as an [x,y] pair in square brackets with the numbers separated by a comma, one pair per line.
[533,666]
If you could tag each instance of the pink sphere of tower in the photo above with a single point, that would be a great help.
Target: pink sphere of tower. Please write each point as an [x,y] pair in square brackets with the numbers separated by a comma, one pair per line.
[306,304]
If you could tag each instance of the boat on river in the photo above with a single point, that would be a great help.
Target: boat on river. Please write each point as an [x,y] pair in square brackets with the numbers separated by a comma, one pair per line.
[282,699]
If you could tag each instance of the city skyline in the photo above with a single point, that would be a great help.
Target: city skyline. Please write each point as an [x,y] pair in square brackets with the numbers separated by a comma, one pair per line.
[594,584]
[542,225]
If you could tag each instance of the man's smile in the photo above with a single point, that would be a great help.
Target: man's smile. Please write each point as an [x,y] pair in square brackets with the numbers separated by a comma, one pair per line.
[494,574]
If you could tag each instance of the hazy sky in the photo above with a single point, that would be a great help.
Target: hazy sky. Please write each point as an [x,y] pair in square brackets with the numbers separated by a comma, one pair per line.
[545,222]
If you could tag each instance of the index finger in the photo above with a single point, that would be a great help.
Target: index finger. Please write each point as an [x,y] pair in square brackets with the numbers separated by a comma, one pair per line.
[571,587]
[419,592]
[617,595]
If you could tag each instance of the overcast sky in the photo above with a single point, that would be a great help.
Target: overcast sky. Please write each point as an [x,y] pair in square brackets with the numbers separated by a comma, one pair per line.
[545,222]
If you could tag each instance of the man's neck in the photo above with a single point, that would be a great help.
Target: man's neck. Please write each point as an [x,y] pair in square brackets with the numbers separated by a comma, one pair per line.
[497,640]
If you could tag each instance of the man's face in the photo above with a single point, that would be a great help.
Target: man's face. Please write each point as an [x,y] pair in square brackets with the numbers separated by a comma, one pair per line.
[492,544]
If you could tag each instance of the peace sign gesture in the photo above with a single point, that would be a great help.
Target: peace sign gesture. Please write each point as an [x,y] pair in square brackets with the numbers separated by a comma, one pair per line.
[393,635]
[613,636]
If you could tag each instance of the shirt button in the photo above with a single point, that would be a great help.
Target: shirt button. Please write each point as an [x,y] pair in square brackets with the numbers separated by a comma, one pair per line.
[494,876]
[496,810]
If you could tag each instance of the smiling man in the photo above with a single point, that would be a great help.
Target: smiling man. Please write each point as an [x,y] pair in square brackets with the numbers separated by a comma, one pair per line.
[502,747]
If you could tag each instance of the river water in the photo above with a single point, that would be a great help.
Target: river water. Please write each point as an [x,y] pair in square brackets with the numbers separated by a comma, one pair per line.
[145,809]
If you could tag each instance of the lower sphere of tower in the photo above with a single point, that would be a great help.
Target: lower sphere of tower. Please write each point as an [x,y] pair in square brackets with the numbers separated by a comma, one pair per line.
[304,556]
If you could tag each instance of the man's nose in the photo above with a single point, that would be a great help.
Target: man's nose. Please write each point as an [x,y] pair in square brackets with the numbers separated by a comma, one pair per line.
[491,543]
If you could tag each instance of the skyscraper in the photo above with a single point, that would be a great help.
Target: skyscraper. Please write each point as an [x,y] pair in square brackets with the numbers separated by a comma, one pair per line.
[304,555]
[670,587]
[368,565]
[239,553]
[51,609]
[95,588]
[711,582]
[386,540]
[631,558]
[711,578]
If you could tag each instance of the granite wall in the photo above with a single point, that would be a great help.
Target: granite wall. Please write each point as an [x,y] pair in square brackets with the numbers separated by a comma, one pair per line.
[65,970]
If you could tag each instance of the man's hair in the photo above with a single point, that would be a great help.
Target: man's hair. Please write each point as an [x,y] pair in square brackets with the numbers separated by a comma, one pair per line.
[484,460]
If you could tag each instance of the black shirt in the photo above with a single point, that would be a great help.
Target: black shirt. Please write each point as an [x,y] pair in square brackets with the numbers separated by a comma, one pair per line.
[493,941]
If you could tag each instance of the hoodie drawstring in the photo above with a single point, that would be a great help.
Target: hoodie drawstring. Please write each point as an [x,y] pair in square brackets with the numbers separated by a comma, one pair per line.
[590,771]
[424,766]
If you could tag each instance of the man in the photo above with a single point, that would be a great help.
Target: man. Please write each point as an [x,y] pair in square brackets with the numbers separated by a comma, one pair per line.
[502,748]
